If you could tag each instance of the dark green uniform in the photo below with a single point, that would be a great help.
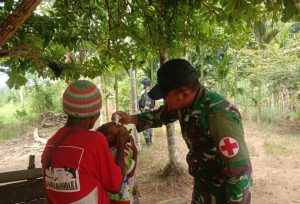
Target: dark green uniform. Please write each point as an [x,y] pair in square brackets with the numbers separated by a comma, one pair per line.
[218,157]
[148,107]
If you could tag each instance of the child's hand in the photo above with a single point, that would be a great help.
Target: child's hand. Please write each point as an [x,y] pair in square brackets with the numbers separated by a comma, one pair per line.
[134,153]
[122,136]
[132,145]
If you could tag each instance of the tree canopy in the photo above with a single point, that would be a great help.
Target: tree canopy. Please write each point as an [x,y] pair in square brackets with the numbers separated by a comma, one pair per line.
[88,38]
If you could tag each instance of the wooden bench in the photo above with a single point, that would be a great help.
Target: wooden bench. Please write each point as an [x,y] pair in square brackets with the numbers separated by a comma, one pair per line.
[24,186]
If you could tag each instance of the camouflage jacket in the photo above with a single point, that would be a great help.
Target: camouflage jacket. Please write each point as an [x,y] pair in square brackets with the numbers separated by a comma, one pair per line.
[213,132]
[148,102]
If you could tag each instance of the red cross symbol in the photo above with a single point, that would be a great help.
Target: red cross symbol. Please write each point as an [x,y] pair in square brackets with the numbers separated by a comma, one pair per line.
[229,146]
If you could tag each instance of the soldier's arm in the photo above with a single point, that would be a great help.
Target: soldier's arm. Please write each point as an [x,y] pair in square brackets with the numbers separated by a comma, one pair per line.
[227,132]
[155,118]
[151,119]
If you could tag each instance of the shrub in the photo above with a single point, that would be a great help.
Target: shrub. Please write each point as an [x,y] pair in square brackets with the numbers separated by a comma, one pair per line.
[271,115]
[268,115]
[21,114]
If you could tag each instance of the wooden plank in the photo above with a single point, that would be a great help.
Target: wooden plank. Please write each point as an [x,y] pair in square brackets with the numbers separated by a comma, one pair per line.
[37,201]
[20,175]
[22,192]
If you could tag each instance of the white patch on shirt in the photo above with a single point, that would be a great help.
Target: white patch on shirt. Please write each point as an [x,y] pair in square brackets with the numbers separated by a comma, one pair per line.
[62,179]
[63,174]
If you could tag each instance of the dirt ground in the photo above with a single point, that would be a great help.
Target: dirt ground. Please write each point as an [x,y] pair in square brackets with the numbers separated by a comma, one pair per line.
[276,176]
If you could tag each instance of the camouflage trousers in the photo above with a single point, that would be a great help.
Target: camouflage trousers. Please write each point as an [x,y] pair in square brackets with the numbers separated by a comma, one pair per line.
[148,136]
[204,193]
[209,193]
[148,132]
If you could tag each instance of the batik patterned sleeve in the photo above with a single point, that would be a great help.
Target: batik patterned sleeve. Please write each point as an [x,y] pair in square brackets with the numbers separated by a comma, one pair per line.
[227,132]
[129,161]
[156,118]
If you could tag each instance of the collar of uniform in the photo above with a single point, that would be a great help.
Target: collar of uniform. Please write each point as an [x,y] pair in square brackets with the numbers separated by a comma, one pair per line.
[199,99]
[198,109]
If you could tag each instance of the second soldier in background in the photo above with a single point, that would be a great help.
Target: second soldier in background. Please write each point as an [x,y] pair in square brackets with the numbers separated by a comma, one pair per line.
[146,104]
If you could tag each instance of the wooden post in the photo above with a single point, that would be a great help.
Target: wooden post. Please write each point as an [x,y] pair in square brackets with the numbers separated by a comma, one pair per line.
[31,164]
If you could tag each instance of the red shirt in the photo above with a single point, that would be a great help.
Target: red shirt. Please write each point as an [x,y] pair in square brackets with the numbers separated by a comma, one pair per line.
[82,168]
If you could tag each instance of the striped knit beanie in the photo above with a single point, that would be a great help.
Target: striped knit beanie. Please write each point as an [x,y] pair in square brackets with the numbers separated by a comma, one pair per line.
[82,99]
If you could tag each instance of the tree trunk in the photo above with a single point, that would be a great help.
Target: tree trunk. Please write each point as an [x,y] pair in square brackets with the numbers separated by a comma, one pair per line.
[105,98]
[235,91]
[173,167]
[116,92]
[14,21]
[22,96]
[259,105]
[152,66]
[101,110]
[134,109]
[272,100]
[286,100]
[19,50]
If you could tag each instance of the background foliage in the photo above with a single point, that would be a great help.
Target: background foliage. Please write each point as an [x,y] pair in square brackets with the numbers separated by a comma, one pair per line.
[246,50]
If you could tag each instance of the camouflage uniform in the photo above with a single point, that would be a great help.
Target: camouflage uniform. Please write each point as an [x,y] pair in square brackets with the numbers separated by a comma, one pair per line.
[147,132]
[218,157]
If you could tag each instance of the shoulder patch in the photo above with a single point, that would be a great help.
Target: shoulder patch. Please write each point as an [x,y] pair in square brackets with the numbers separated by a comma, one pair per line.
[229,146]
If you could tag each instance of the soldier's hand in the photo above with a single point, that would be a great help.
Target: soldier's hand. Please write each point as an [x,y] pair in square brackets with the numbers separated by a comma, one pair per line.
[124,118]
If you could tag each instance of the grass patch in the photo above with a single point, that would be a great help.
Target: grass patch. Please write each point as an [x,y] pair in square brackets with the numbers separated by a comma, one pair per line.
[8,114]
[252,150]
[272,128]
[154,156]
[12,123]
[278,140]
[10,131]
[159,139]
[282,145]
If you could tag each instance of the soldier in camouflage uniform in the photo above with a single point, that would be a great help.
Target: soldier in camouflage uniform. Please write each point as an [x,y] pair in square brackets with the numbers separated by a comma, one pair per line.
[146,104]
[218,157]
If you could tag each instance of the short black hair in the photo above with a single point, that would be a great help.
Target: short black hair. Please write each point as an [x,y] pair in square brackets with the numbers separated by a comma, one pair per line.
[194,86]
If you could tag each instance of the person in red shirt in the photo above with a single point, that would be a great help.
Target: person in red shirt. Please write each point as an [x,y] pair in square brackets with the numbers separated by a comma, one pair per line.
[78,166]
